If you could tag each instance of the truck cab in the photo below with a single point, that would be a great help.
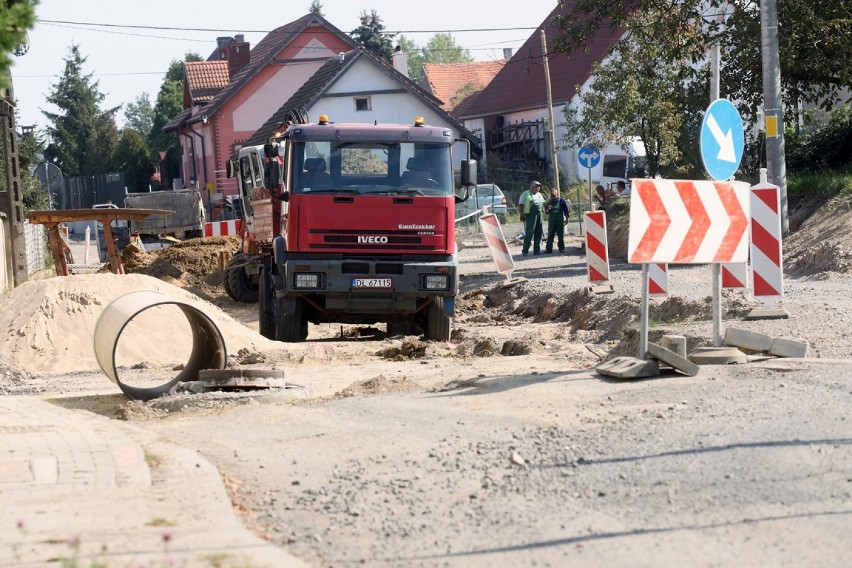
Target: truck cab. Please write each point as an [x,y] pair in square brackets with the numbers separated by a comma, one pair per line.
[357,221]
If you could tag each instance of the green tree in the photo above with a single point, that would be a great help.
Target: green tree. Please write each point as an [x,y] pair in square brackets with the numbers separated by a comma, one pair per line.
[132,158]
[316,8]
[636,92]
[414,55]
[16,17]
[372,36]
[442,48]
[82,135]
[139,115]
[815,41]
[169,104]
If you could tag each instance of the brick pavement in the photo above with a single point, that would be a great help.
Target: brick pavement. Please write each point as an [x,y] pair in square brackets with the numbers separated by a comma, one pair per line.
[82,487]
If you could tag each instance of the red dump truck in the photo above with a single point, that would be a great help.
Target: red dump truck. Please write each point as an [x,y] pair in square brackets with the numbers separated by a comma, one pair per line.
[350,223]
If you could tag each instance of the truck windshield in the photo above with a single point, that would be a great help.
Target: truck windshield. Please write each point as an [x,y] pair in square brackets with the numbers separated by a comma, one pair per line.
[372,168]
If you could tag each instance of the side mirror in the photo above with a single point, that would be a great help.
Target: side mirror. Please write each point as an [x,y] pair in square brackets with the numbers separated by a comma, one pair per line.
[468,173]
[230,169]
[460,199]
[271,175]
[285,196]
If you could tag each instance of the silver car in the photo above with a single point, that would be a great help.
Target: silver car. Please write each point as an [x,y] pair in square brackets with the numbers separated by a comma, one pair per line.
[488,195]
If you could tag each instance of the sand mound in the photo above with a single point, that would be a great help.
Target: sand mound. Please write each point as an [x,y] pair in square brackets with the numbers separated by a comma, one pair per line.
[49,324]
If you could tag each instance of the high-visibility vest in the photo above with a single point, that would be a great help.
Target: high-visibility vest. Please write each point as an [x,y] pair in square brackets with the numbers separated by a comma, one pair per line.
[527,196]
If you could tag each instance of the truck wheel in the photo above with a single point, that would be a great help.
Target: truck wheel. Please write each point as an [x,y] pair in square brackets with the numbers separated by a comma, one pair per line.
[292,326]
[240,287]
[266,303]
[438,323]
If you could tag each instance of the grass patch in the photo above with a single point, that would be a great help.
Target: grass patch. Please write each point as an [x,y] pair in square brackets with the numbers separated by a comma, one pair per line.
[825,184]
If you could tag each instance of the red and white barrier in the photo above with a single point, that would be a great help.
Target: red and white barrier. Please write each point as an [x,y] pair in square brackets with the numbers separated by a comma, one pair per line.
[497,243]
[597,257]
[734,275]
[223,228]
[658,279]
[766,262]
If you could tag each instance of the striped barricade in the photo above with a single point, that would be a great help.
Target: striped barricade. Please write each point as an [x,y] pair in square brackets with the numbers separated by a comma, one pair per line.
[597,257]
[223,228]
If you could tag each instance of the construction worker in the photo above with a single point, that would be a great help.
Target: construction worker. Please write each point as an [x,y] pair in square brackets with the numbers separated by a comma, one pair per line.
[531,210]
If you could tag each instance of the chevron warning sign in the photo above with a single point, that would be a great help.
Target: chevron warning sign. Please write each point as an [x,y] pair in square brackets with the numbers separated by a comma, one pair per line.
[688,222]
[497,243]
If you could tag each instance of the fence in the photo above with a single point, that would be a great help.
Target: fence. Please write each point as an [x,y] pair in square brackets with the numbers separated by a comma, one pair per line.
[83,192]
[35,237]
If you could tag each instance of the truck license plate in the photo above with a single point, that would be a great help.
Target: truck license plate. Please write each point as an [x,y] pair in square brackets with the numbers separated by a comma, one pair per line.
[371,282]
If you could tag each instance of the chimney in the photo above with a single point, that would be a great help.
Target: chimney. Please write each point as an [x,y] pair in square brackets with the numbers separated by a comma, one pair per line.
[507,53]
[400,61]
[239,54]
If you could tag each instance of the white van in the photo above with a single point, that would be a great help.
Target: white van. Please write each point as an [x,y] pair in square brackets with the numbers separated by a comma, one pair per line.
[618,164]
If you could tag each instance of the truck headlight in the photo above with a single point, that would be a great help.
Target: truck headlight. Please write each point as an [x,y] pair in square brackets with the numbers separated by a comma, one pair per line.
[307,280]
[437,282]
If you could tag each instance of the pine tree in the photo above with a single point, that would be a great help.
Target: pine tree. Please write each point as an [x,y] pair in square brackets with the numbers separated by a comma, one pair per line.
[82,136]
[372,36]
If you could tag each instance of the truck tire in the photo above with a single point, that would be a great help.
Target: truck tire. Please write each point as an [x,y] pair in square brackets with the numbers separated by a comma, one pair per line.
[438,323]
[291,324]
[240,287]
[266,303]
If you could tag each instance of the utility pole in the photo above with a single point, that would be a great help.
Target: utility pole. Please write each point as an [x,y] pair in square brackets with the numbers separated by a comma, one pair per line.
[554,153]
[12,203]
[776,166]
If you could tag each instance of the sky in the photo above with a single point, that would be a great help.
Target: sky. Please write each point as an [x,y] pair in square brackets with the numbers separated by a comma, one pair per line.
[128,61]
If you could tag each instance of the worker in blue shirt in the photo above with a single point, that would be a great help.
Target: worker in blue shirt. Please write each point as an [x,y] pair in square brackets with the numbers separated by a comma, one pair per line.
[557,214]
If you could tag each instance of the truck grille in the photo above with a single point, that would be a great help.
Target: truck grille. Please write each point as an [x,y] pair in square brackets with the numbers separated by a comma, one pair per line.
[358,240]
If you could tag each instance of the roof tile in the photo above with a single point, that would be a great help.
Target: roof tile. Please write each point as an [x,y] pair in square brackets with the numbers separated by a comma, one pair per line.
[205,79]
[447,79]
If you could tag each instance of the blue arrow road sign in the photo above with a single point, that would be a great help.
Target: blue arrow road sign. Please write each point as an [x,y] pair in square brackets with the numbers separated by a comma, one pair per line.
[722,140]
[589,156]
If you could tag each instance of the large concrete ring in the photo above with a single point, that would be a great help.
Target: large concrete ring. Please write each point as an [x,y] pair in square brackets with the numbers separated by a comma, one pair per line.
[208,346]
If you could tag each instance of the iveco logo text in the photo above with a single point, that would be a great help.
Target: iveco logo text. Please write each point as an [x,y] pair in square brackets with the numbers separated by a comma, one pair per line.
[371,239]
[418,227]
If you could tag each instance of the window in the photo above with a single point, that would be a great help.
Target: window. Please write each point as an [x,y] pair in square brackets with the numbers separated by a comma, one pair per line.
[363,103]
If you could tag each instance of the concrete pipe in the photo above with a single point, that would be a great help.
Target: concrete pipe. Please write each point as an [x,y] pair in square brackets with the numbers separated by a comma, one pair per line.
[208,346]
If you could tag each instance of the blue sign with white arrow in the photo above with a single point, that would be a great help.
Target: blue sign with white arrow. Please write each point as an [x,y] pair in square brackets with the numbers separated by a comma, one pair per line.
[588,156]
[722,140]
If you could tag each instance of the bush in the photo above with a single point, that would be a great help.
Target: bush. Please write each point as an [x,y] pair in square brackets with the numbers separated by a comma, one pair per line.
[823,148]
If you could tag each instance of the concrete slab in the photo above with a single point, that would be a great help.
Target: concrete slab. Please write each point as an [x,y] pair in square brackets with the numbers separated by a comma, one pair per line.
[602,289]
[676,343]
[789,347]
[751,340]
[672,359]
[718,356]
[629,368]
[767,313]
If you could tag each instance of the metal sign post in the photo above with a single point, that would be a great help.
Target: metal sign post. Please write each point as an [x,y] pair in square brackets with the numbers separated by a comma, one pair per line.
[722,141]
[589,157]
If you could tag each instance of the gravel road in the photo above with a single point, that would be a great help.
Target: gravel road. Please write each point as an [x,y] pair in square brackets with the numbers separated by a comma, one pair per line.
[465,457]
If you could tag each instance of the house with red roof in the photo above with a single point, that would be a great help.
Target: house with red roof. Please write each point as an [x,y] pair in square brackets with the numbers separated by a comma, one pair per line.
[455,82]
[307,66]
[511,113]
[222,112]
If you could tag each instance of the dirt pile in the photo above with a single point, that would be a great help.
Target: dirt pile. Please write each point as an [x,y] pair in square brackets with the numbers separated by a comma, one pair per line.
[49,324]
[194,263]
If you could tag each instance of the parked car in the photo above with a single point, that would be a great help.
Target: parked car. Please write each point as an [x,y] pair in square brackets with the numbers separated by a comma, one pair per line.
[485,194]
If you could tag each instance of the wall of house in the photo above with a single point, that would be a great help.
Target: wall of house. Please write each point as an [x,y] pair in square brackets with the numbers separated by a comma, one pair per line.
[393,106]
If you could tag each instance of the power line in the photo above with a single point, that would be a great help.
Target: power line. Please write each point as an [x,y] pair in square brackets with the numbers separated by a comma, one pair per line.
[220,30]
